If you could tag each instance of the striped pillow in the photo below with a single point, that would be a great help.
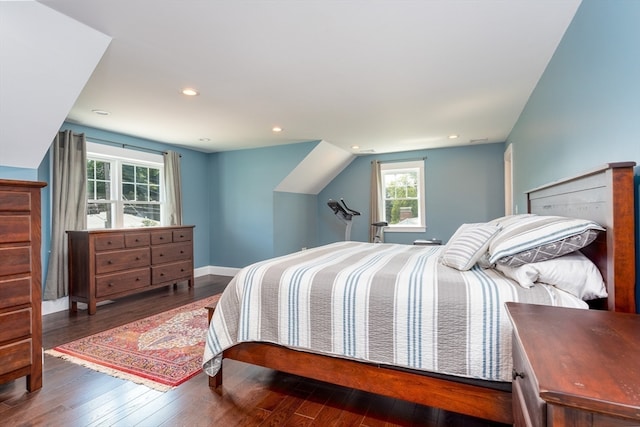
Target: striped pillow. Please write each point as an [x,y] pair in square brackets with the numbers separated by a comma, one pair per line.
[536,238]
[467,245]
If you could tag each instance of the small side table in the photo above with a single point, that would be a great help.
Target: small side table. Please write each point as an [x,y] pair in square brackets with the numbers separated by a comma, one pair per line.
[574,367]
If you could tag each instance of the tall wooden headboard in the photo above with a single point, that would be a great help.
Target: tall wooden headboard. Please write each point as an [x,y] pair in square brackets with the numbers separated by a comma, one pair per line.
[605,195]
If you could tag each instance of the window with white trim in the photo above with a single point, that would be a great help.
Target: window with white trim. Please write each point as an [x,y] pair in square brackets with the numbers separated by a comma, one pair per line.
[124,187]
[402,194]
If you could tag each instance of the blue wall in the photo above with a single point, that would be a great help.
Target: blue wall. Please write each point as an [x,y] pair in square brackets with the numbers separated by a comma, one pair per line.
[21,174]
[294,222]
[462,184]
[585,110]
[243,226]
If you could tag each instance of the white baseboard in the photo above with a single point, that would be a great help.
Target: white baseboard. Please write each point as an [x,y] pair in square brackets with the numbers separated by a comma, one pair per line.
[62,304]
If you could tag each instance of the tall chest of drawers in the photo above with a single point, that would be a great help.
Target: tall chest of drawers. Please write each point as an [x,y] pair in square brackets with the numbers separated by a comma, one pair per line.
[20,282]
[108,264]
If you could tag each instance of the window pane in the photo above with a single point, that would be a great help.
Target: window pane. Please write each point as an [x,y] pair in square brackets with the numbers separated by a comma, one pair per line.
[103,190]
[128,192]
[91,192]
[141,215]
[141,193]
[128,173]
[103,170]
[154,176]
[142,175]
[91,169]
[99,215]
[154,193]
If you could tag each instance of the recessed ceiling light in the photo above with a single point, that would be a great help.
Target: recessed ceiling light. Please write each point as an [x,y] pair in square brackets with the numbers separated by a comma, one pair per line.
[355,147]
[453,136]
[276,129]
[101,112]
[204,140]
[190,92]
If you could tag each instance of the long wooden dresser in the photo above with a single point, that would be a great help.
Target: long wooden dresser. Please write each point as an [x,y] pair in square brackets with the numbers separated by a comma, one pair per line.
[109,264]
[20,282]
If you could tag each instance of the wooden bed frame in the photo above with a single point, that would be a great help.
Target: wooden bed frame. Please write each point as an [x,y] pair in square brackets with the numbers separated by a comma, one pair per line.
[604,194]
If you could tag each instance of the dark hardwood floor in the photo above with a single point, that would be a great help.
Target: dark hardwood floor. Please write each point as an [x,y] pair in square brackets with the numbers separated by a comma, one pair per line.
[252,396]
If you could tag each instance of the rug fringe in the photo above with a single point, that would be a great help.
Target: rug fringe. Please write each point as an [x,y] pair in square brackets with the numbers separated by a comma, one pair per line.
[109,371]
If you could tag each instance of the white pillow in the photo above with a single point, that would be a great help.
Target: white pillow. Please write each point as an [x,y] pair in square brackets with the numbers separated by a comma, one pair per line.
[573,273]
[467,245]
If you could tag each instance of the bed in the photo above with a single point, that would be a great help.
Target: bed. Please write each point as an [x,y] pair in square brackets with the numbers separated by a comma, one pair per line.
[350,331]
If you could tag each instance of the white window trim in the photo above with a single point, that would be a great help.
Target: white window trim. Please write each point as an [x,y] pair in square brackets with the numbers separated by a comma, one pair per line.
[122,154]
[413,164]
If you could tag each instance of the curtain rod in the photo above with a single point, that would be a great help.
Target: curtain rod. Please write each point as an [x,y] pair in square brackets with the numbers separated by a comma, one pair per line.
[135,147]
[403,160]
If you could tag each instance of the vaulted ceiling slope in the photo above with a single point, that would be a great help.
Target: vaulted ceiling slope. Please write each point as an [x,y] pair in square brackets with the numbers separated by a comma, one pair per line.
[46,58]
[383,75]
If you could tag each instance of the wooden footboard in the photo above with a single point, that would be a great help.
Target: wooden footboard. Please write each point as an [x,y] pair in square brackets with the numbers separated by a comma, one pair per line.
[419,388]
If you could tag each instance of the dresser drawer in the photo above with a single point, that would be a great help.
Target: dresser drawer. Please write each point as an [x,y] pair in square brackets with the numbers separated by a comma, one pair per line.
[15,356]
[183,235]
[528,407]
[161,237]
[109,241]
[15,292]
[107,262]
[15,201]
[171,253]
[15,260]
[137,240]
[15,325]
[122,282]
[171,272]
[15,228]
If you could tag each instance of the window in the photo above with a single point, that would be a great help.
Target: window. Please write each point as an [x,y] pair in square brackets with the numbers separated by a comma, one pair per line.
[124,188]
[403,195]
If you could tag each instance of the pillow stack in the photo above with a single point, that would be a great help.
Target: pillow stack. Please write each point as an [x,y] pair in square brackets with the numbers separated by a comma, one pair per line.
[521,246]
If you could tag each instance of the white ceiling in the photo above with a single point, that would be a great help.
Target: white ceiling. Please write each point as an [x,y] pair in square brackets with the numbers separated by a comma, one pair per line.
[386,75]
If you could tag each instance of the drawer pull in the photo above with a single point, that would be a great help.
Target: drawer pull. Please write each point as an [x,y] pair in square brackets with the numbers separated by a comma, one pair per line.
[181,252]
[111,284]
[161,274]
[515,374]
[137,258]
[181,236]
[109,242]
[137,279]
[137,240]
[109,262]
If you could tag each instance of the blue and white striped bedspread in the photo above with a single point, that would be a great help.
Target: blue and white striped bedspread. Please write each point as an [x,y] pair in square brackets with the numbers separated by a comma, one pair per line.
[382,303]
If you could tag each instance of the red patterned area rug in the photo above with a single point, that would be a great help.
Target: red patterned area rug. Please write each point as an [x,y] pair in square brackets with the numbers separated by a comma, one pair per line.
[160,351]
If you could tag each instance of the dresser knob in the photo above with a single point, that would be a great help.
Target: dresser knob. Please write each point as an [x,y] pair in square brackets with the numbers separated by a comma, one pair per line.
[109,262]
[515,374]
[110,284]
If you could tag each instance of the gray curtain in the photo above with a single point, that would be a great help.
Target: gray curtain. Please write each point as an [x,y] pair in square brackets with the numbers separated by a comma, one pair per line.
[374,206]
[68,206]
[173,188]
